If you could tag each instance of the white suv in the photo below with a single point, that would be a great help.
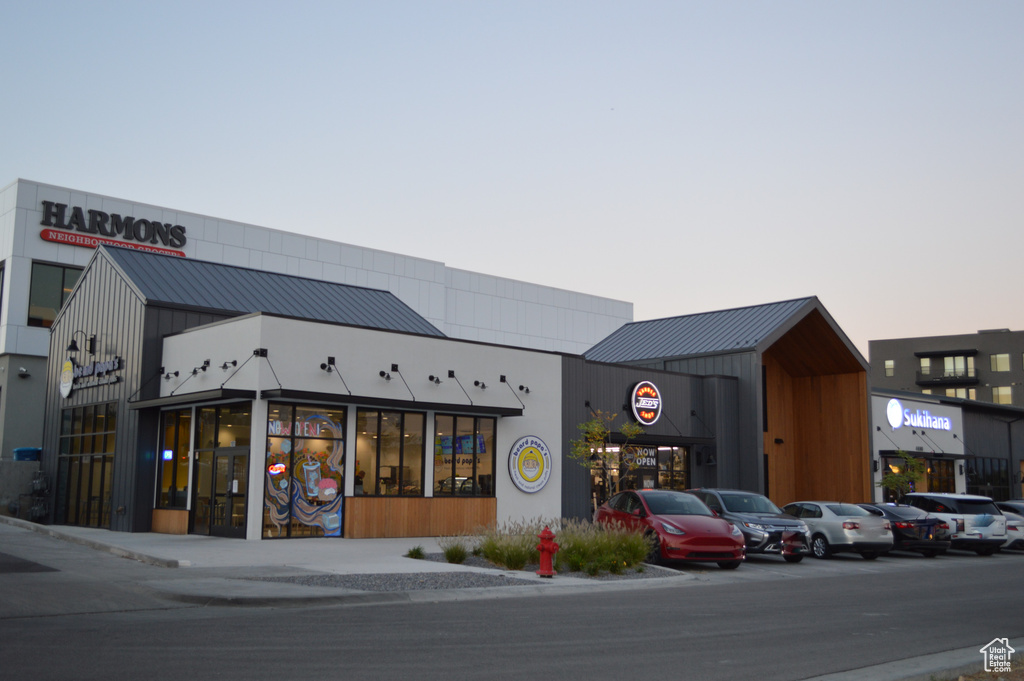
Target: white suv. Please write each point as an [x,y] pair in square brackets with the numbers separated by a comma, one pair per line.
[975,524]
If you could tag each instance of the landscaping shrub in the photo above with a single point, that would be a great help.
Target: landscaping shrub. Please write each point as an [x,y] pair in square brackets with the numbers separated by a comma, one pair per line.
[455,548]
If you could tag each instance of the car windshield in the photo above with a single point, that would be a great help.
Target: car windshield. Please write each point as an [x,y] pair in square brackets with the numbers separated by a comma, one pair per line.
[749,503]
[675,503]
[847,509]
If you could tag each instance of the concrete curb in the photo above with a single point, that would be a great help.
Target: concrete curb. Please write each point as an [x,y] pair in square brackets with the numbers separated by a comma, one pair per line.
[122,552]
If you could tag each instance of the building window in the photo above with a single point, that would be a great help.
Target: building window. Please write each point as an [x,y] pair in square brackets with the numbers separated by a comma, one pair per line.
[926,366]
[988,477]
[926,391]
[86,464]
[1002,394]
[51,285]
[172,469]
[464,456]
[221,469]
[958,366]
[389,452]
[962,393]
[1000,362]
[303,479]
[890,367]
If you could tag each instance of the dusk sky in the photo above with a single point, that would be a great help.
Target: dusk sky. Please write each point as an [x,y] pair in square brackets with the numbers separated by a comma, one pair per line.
[683,156]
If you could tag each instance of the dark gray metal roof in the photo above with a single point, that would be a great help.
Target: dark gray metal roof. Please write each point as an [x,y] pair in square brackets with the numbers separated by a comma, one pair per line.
[201,285]
[737,330]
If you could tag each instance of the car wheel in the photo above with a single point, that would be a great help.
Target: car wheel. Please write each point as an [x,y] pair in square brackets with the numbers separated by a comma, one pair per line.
[729,564]
[870,555]
[793,558]
[820,547]
[654,555]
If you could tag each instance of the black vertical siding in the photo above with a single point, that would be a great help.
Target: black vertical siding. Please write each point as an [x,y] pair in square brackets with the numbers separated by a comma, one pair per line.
[606,387]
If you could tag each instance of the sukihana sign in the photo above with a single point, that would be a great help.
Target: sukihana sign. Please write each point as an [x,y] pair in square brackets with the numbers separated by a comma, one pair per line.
[529,464]
[646,402]
[899,416]
[100,228]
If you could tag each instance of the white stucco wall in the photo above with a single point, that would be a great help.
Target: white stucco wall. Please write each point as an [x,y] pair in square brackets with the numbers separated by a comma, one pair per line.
[295,350]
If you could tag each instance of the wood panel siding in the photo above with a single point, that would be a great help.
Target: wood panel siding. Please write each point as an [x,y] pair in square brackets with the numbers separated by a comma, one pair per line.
[823,424]
[416,516]
[170,521]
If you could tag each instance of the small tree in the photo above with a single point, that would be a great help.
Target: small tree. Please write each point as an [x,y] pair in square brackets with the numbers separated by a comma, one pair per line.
[901,481]
[592,448]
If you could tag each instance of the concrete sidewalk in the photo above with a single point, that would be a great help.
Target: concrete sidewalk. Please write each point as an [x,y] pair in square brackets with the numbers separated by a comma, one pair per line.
[218,571]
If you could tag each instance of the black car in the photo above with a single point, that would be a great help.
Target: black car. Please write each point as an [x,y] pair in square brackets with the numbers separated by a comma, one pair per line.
[765,527]
[913,529]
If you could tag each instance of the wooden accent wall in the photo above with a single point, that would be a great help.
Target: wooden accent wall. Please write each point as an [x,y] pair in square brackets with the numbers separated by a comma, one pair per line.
[822,421]
[168,521]
[416,516]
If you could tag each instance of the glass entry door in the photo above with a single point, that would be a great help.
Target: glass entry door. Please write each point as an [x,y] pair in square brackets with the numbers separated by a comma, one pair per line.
[222,479]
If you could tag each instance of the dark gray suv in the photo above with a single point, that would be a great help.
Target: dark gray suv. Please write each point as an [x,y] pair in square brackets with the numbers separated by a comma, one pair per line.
[765,527]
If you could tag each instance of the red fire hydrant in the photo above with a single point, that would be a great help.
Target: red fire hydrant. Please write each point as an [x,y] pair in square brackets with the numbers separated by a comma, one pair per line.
[548,548]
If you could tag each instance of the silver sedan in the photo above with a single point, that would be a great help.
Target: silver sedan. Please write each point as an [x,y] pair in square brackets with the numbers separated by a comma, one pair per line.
[836,527]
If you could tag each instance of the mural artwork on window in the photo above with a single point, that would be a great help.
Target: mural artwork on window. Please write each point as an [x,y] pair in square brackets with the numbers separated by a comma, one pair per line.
[303,478]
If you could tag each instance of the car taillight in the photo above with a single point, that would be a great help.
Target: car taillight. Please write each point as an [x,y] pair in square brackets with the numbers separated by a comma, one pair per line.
[851,525]
[904,525]
[942,526]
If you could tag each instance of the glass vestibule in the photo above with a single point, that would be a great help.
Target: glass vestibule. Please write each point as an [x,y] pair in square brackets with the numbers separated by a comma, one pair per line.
[86,465]
[304,471]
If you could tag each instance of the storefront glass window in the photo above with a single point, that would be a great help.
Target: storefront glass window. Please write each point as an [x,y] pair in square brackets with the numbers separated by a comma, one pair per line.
[389,453]
[640,467]
[304,472]
[464,456]
[86,465]
[50,287]
[173,459]
[989,477]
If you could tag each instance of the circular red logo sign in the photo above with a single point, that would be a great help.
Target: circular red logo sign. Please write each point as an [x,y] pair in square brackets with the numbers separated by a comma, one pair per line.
[646,403]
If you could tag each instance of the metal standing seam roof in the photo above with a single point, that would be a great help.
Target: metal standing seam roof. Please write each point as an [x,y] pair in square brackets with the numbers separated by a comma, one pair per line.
[733,330]
[198,284]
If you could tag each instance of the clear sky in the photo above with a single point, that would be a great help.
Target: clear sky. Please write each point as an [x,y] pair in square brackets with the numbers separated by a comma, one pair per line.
[684,156]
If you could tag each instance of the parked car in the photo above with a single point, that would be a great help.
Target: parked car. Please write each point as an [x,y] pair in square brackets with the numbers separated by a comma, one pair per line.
[1013,506]
[837,527]
[766,529]
[975,523]
[679,526]
[913,529]
[1014,532]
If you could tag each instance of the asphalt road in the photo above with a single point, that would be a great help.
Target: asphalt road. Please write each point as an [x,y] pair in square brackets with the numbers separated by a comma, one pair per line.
[767,620]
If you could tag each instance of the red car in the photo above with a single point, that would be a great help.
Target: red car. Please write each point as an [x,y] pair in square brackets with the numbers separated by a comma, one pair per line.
[680,525]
